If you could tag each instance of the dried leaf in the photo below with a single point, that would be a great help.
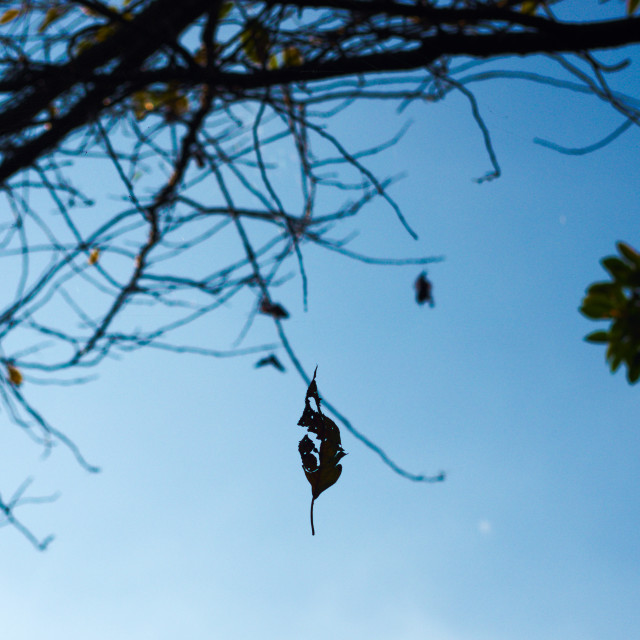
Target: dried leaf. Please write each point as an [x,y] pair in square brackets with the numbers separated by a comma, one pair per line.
[292,57]
[321,467]
[15,376]
[53,14]
[9,15]
[424,290]
[273,309]
[94,256]
[271,360]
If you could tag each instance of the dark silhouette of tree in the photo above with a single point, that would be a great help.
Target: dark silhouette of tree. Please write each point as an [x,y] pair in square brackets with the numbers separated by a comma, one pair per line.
[175,107]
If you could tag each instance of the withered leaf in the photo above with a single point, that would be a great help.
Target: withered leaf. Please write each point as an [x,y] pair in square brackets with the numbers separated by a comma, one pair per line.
[14,375]
[94,256]
[320,467]
[272,361]
[273,309]
[424,290]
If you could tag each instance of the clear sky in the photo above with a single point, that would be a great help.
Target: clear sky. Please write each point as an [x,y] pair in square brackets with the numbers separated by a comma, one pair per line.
[198,525]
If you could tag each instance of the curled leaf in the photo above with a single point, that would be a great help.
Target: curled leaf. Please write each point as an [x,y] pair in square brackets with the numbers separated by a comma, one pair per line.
[320,467]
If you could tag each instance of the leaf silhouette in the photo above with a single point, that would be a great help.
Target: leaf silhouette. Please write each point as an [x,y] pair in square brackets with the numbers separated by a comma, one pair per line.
[271,360]
[424,290]
[320,466]
[273,309]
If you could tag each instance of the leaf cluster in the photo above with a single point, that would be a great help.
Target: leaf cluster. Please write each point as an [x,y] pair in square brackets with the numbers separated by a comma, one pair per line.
[618,300]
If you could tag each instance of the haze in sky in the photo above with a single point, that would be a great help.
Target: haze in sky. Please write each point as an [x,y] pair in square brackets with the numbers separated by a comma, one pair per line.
[198,526]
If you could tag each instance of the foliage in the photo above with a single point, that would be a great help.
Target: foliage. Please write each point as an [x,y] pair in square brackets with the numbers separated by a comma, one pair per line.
[184,109]
[618,301]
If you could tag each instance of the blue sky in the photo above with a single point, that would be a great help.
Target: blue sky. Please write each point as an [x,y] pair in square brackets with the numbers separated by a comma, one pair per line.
[197,527]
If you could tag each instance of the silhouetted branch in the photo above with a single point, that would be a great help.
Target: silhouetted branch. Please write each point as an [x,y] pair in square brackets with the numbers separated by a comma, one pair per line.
[7,511]
[185,111]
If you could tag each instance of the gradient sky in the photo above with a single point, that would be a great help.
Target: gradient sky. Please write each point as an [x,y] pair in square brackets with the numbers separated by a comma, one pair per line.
[198,525]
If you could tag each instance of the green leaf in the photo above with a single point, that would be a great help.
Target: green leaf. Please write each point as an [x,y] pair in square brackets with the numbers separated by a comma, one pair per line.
[633,371]
[53,14]
[602,288]
[629,252]
[618,269]
[596,309]
[598,337]
[616,361]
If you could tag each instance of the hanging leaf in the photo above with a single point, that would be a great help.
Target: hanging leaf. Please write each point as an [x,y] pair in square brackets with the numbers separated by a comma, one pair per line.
[321,466]
[272,361]
[273,309]
[424,290]
[94,256]
[9,15]
[15,376]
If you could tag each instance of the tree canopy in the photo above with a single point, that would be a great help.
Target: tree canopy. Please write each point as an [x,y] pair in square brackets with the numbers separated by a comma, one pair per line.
[178,109]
